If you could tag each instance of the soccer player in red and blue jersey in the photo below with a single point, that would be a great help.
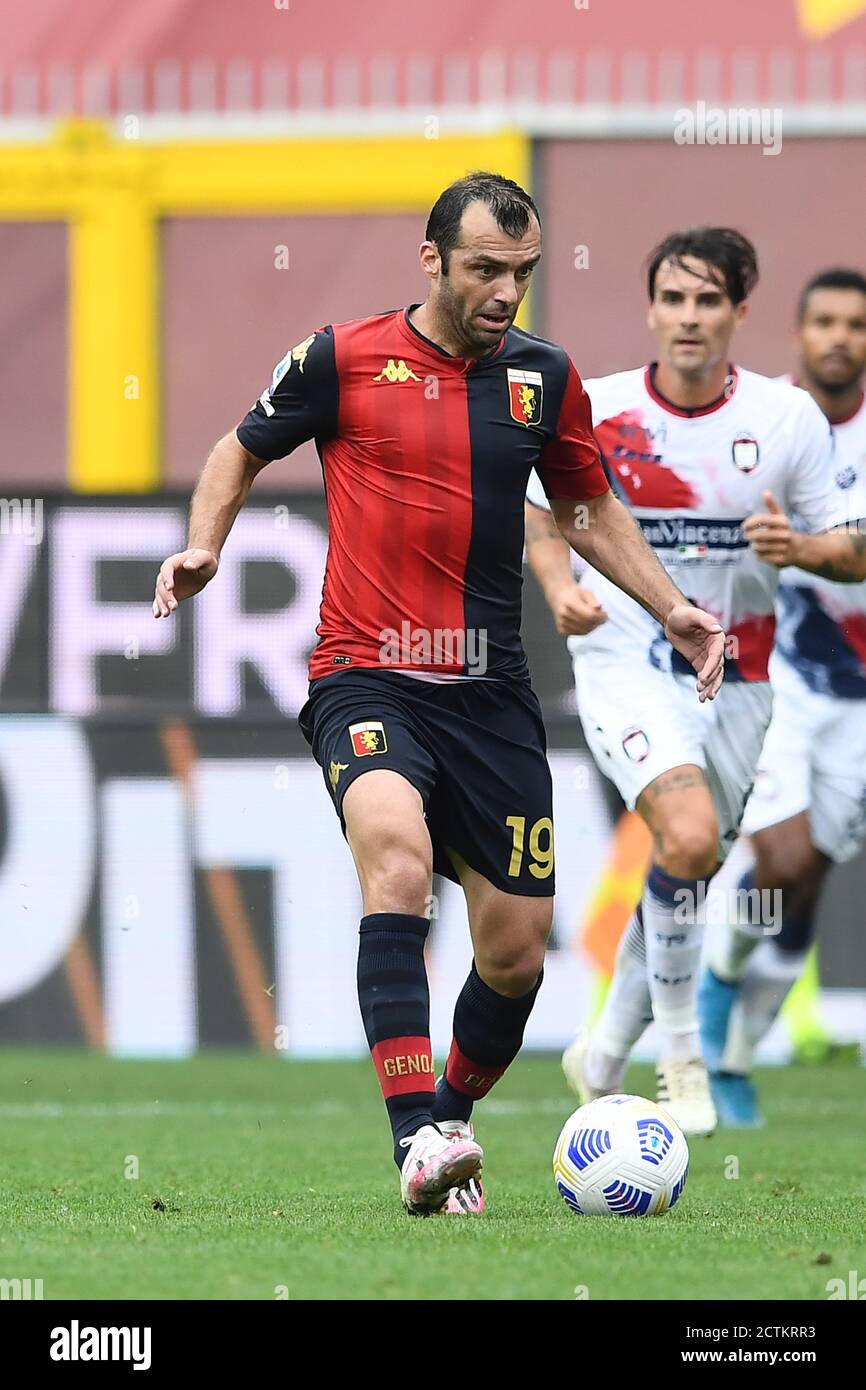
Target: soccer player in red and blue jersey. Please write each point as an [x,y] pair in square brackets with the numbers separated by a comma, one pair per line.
[428,421]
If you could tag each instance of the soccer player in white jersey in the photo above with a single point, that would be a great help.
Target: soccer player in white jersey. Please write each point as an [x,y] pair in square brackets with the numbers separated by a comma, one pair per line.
[706,455]
[808,808]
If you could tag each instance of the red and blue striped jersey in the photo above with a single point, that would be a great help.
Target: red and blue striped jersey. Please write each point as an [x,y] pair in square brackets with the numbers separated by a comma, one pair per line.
[426,459]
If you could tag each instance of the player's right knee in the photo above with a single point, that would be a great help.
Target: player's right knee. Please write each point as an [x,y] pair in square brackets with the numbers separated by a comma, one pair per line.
[396,875]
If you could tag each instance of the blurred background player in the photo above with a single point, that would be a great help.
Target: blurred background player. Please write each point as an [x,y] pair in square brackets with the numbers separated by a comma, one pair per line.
[808,807]
[693,445]
[429,420]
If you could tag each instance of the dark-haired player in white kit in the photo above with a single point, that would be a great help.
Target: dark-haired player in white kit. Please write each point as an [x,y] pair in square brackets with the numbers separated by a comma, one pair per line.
[808,808]
[706,455]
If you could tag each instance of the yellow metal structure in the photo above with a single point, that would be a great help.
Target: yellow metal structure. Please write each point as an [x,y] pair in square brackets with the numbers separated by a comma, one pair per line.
[818,18]
[113,191]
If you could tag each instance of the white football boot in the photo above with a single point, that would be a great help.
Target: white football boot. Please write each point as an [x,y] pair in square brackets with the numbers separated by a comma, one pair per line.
[683,1088]
[433,1166]
[468,1199]
[574,1066]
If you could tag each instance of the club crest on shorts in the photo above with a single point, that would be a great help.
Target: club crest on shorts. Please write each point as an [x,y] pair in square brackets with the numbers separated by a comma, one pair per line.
[635,745]
[368,738]
[525,396]
[745,453]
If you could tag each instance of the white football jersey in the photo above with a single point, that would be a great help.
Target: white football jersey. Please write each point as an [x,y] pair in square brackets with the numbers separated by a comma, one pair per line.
[821,628]
[691,478]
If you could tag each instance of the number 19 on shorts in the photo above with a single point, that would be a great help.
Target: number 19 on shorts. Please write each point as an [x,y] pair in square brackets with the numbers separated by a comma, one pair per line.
[540,846]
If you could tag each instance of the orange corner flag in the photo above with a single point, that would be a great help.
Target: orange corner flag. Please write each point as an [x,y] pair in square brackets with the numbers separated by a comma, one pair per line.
[618,890]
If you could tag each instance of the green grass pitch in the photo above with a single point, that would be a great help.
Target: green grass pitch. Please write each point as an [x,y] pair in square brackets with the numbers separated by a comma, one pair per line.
[260,1178]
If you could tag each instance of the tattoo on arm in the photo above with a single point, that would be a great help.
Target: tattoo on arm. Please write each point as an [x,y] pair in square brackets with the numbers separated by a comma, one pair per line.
[840,570]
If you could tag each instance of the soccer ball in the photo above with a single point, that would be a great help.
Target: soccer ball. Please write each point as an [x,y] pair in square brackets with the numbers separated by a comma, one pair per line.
[620,1156]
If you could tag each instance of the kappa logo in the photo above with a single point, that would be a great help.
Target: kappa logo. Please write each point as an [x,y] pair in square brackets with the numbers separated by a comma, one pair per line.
[334,773]
[299,353]
[296,354]
[396,371]
[745,453]
[525,396]
[368,738]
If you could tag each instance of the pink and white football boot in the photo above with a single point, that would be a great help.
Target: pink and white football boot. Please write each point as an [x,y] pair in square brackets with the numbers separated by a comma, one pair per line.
[434,1166]
[468,1198]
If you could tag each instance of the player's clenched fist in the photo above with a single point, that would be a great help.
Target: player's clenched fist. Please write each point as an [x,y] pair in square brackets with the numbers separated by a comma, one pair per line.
[576,611]
[181,576]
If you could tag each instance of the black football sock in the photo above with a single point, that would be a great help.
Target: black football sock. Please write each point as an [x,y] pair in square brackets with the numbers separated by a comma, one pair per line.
[395,1007]
[488,1034]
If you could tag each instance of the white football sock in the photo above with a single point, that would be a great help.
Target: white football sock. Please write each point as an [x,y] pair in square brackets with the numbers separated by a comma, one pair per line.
[770,975]
[626,1013]
[673,917]
[738,933]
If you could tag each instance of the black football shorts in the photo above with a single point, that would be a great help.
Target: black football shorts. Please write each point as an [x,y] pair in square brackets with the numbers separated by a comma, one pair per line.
[474,749]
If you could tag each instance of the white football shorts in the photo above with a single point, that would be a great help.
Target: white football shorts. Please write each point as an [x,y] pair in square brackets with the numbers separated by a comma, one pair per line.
[813,759]
[640,721]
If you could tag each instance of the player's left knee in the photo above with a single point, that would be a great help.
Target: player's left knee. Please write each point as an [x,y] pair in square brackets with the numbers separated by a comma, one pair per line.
[797,876]
[787,859]
[802,898]
[512,973]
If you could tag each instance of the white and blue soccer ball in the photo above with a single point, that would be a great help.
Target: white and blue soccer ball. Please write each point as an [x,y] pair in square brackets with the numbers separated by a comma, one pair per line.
[620,1156]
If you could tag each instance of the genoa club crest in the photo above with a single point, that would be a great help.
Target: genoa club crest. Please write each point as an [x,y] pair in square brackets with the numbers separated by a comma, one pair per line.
[368,738]
[524,394]
[745,453]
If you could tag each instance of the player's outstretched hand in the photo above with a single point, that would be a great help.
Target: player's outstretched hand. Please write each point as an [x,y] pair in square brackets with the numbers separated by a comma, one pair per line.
[181,576]
[701,641]
[770,533]
[576,611]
